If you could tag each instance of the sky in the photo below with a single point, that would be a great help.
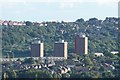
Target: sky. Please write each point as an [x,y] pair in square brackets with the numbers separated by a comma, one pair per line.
[57,10]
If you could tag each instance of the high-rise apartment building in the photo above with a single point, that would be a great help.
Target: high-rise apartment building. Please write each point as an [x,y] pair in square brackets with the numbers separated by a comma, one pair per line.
[37,49]
[81,44]
[60,49]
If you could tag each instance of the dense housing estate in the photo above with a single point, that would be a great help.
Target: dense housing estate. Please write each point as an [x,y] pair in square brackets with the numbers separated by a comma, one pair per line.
[21,23]
[11,23]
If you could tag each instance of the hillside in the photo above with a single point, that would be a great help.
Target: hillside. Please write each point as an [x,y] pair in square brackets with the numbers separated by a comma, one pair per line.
[102,35]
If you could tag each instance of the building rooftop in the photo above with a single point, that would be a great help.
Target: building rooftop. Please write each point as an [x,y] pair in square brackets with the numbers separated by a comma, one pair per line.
[36,42]
[81,35]
[61,41]
[114,52]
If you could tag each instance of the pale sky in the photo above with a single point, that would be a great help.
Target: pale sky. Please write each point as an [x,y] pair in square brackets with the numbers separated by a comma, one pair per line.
[57,10]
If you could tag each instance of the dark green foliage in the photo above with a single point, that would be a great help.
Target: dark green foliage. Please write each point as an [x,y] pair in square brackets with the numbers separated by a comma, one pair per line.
[29,61]
[28,23]
[31,73]
[107,74]
[102,35]
[66,75]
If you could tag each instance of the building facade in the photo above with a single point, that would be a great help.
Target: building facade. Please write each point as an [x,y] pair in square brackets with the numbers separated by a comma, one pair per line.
[61,49]
[81,44]
[37,49]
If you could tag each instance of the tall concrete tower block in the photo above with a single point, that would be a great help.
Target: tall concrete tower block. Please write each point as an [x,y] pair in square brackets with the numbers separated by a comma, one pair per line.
[81,44]
[37,49]
[61,49]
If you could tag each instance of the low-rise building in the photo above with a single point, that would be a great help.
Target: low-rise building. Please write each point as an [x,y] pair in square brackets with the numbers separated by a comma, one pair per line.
[99,54]
[114,52]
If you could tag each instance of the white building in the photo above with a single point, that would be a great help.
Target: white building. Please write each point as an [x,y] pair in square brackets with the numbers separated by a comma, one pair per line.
[114,52]
[99,54]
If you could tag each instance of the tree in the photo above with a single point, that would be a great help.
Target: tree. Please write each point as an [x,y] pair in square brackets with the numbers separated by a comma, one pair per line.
[80,20]
[18,59]
[5,76]
[28,23]
[57,75]
[88,61]
[10,73]
[108,74]
[66,75]
[80,75]
[110,55]
[28,61]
